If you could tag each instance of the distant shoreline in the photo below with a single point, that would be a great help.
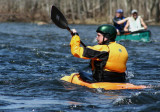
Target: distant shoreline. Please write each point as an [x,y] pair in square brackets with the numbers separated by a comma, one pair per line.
[84,12]
[71,22]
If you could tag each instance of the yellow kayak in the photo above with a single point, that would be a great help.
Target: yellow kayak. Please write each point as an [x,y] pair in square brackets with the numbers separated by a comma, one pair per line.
[75,79]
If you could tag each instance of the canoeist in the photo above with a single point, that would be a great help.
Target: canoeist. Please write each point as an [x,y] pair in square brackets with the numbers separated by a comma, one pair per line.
[135,22]
[108,58]
[119,21]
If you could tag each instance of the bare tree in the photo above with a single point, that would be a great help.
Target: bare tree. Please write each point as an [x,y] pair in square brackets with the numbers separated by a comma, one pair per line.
[99,11]
[157,11]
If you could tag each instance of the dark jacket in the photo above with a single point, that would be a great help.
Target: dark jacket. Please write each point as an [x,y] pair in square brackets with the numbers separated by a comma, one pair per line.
[120,27]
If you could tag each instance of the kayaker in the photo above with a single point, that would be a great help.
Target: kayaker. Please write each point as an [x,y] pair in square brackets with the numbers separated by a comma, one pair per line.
[119,21]
[108,58]
[135,22]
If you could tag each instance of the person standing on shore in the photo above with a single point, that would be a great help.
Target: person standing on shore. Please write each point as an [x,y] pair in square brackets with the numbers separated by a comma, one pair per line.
[119,21]
[135,22]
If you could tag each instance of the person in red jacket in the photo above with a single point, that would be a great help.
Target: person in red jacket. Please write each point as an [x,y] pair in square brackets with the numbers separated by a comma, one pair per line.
[108,58]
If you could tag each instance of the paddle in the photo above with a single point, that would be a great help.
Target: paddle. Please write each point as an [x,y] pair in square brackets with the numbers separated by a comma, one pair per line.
[59,20]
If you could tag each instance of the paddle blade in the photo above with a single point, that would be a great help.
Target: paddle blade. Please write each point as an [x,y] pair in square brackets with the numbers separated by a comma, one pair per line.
[58,18]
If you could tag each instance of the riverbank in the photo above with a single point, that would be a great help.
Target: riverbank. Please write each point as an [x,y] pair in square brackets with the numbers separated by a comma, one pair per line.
[46,20]
[87,22]
[84,12]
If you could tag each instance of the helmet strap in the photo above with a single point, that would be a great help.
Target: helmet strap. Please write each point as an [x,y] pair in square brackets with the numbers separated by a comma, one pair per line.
[107,41]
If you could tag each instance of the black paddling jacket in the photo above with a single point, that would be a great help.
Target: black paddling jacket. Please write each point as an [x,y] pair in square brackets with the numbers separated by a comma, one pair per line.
[112,57]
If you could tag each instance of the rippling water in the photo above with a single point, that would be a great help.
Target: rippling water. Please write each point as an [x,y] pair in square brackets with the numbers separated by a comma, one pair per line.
[33,58]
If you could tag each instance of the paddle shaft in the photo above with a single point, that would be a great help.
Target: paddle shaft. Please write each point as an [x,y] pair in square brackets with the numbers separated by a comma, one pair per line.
[72,33]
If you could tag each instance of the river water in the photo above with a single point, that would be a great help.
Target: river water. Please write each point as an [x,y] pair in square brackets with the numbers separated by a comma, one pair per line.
[34,57]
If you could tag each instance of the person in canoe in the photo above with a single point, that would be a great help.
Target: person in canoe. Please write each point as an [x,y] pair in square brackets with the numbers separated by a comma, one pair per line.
[108,58]
[135,23]
[119,21]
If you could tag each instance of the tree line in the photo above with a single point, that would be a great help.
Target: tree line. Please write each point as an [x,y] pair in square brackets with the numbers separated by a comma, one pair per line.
[77,11]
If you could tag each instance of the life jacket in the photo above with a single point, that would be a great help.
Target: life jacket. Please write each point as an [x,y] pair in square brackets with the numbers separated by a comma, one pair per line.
[117,59]
[114,62]
[135,24]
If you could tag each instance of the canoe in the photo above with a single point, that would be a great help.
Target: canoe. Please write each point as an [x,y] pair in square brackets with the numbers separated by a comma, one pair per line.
[142,35]
[75,79]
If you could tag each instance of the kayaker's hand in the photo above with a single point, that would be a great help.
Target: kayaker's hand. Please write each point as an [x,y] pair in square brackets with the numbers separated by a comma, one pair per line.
[145,27]
[127,18]
[74,32]
[126,30]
